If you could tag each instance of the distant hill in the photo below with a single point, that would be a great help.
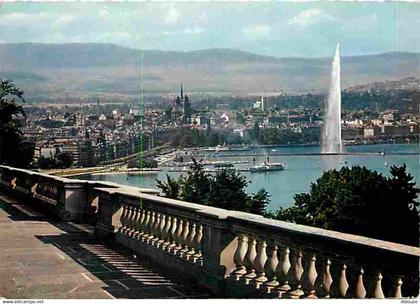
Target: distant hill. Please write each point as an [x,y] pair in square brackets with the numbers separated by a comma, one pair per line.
[107,68]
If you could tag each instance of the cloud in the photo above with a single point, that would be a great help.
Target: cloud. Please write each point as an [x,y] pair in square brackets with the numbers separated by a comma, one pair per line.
[257,31]
[172,15]
[193,31]
[104,13]
[202,17]
[309,17]
[64,19]
[22,18]
[32,20]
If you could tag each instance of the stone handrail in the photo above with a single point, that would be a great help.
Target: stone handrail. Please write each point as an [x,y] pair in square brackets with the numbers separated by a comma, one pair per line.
[243,255]
[68,199]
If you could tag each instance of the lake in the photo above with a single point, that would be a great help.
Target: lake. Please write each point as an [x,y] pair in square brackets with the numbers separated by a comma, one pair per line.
[301,169]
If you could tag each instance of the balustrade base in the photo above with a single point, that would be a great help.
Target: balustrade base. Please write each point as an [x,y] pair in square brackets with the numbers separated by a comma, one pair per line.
[193,272]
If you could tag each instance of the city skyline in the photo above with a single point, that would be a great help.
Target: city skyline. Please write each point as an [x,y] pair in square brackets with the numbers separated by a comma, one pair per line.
[280,29]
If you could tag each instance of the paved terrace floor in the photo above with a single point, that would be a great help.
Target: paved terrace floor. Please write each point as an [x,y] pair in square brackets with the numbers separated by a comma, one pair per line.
[40,258]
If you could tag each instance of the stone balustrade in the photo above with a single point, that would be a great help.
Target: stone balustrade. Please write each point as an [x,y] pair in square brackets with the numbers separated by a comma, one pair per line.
[67,199]
[235,254]
[279,259]
[243,255]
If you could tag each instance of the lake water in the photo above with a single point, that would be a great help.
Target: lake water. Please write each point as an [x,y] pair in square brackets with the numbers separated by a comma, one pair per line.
[301,170]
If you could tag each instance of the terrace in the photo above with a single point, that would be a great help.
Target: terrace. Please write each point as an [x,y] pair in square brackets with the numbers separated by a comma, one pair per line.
[65,238]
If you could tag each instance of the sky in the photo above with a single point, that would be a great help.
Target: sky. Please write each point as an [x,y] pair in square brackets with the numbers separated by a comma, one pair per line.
[275,28]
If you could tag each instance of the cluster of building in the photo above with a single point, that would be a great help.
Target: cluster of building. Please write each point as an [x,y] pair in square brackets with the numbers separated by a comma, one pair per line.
[389,125]
[90,139]
[96,135]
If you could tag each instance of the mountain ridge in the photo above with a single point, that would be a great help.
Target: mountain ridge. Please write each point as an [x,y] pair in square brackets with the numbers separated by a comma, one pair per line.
[111,68]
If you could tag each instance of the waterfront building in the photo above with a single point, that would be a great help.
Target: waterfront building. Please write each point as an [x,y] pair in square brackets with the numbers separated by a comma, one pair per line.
[395,131]
[370,132]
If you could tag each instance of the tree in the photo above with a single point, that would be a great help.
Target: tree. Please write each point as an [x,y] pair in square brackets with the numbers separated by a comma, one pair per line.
[46,162]
[196,185]
[226,189]
[63,160]
[168,114]
[255,132]
[171,188]
[13,150]
[360,201]
[258,202]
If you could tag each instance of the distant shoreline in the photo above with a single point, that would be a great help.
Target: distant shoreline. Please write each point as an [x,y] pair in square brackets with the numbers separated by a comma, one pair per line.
[396,142]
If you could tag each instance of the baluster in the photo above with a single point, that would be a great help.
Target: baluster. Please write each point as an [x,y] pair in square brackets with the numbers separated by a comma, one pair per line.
[172,234]
[327,279]
[140,223]
[190,241]
[342,284]
[146,225]
[184,239]
[360,291]
[136,218]
[282,271]
[127,219]
[132,221]
[310,275]
[198,257]
[295,273]
[271,266]
[397,292]
[151,225]
[178,237]
[378,293]
[34,189]
[156,227]
[259,263]
[249,260]
[239,257]
[162,233]
[166,232]
[123,218]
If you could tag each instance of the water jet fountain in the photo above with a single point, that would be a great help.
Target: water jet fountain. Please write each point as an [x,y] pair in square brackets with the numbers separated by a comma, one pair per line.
[331,134]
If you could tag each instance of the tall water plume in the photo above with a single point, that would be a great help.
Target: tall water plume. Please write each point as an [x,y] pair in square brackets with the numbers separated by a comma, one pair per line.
[331,134]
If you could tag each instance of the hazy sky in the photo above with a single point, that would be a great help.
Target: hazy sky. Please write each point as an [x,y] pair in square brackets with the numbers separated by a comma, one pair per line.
[308,29]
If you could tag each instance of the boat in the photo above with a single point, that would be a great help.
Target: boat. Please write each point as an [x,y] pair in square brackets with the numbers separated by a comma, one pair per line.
[142,172]
[264,167]
[223,165]
[238,149]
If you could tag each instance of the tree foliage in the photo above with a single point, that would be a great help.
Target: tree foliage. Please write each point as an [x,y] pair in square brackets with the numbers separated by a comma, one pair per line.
[171,188]
[226,189]
[61,160]
[13,150]
[196,185]
[360,201]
